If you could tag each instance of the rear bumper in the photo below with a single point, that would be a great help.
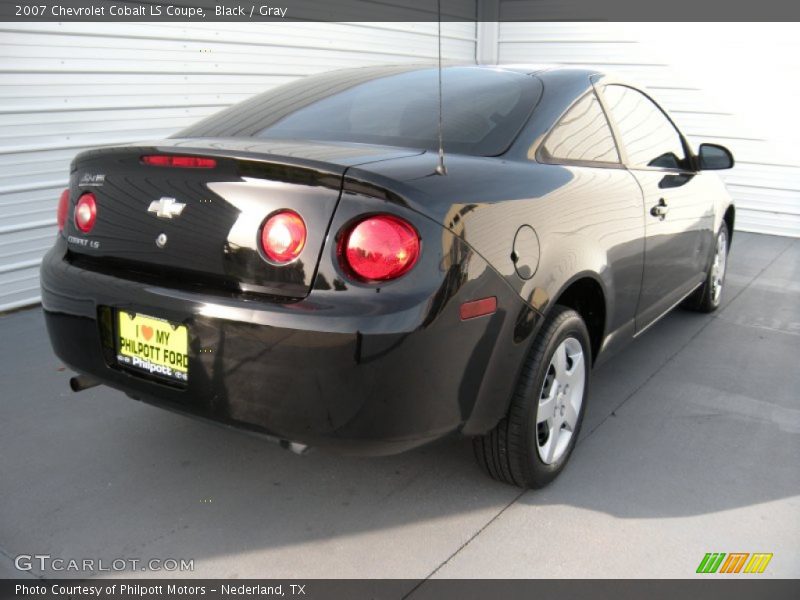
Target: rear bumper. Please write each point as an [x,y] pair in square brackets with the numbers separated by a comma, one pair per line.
[370,379]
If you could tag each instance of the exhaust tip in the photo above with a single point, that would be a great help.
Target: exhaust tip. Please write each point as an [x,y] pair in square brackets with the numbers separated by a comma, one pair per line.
[82,382]
[295,447]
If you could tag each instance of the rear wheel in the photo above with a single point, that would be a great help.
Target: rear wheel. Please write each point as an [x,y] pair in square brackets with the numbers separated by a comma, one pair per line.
[532,444]
[709,296]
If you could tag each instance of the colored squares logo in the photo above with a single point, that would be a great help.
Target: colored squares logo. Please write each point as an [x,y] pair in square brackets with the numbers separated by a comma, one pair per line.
[735,562]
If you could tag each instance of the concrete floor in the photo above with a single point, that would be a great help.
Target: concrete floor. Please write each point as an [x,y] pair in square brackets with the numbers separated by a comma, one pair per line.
[691,444]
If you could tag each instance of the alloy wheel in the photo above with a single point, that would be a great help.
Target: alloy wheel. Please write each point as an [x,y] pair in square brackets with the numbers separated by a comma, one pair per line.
[560,401]
[718,267]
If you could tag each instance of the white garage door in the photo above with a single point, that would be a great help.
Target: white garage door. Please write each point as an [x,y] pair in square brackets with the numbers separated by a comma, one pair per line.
[65,87]
[735,84]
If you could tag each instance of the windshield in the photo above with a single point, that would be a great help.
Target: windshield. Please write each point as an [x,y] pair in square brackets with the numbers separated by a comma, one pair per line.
[483,109]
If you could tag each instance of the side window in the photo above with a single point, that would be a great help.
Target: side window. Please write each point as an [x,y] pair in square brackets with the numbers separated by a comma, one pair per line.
[648,136]
[582,135]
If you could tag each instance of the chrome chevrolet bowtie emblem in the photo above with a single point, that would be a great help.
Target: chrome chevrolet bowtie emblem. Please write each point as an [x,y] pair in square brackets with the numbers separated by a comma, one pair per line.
[166,208]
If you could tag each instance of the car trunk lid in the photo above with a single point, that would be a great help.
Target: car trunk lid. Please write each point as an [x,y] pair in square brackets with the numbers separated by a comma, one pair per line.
[198,226]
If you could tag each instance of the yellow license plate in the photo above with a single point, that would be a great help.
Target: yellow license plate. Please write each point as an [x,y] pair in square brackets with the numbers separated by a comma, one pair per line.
[153,345]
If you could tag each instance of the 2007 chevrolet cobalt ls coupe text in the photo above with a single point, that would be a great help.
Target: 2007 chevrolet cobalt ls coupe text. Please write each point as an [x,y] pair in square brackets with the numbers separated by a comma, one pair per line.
[303,265]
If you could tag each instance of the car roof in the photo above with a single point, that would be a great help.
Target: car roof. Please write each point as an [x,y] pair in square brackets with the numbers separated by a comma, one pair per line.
[577,73]
[522,68]
[539,69]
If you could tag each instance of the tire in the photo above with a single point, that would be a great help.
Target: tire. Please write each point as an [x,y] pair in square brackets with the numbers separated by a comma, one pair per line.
[708,297]
[525,448]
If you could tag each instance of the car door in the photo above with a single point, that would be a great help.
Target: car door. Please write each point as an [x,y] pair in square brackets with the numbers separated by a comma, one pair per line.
[595,219]
[678,215]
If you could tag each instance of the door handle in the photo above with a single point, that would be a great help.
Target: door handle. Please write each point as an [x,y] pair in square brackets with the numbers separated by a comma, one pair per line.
[660,210]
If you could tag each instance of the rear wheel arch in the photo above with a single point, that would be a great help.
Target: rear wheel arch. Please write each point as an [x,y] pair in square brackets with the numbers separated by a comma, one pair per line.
[586,295]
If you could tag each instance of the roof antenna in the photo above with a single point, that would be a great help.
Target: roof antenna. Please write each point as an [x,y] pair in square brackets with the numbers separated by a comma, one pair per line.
[440,168]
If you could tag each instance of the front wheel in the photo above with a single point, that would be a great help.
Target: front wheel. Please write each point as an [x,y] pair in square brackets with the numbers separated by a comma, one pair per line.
[532,444]
[709,296]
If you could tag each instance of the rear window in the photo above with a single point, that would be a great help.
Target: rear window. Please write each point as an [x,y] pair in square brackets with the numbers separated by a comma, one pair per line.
[483,109]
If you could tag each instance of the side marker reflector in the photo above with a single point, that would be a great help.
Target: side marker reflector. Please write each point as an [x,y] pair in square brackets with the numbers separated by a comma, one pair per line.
[478,308]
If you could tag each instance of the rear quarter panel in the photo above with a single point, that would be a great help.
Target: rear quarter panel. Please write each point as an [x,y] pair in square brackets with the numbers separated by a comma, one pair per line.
[589,221]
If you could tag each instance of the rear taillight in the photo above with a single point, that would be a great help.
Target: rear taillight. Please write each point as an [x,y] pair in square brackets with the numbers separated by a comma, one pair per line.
[173,160]
[380,248]
[283,237]
[86,212]
[63,209]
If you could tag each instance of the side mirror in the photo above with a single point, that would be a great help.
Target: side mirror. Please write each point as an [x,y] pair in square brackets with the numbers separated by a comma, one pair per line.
[712,157]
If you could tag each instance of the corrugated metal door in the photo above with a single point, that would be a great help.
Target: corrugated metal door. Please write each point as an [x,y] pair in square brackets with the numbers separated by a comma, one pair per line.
[70,86]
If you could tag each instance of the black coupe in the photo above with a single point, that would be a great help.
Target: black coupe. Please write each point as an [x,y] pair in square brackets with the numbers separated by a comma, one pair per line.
[305,265]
